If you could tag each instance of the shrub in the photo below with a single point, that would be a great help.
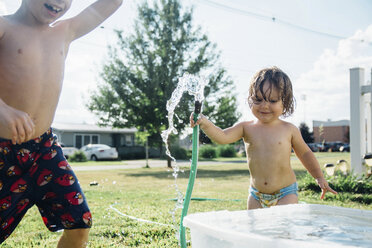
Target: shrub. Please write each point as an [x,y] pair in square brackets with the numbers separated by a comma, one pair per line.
[133,155]
[78,156]
[339,182]
[207,151]
[349,187]
[350,183]
[226,151]
[189,153]
[179,153]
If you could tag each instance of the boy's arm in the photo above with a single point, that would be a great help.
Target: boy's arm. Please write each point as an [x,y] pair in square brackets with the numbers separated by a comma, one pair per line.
[226,136]
[92,16]
[14,124]
[309,160]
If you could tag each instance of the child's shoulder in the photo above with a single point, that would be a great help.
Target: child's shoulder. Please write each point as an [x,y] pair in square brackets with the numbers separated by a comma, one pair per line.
[289,127]
[3,25]
[287,124]
[281,124]
[245,123]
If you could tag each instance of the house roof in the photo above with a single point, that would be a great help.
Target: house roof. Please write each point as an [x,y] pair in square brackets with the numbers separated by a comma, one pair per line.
[73,127]
[331,123]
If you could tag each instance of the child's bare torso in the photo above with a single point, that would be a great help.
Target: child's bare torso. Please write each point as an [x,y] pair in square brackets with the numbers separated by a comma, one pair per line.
[268,153]
[32,64]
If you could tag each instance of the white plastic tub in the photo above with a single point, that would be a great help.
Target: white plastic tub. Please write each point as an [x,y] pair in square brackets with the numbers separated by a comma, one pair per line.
[289,226]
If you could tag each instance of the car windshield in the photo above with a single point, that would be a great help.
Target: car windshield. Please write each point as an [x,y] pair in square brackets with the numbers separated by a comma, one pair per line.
[100,146]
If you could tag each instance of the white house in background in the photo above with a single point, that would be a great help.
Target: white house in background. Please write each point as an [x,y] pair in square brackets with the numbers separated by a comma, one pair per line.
[78,135]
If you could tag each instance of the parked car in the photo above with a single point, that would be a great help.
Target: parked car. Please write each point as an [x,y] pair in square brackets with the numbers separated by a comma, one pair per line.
[334,146]
[68,151]
[314,147]
[330,146]
[99,152]
[345,148]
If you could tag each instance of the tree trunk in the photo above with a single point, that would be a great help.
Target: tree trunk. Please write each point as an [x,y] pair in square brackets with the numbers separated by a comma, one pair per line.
[147,152]
[169,162]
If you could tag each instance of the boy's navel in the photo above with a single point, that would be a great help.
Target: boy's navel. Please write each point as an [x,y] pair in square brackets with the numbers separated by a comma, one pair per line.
[20,51]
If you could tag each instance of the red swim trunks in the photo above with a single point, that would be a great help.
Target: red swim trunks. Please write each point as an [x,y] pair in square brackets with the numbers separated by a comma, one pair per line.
[36,172]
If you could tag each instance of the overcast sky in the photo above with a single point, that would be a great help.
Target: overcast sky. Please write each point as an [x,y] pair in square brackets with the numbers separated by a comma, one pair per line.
[315,42]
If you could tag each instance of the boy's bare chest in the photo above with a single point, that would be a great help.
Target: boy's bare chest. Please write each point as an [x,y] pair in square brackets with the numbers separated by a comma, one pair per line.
[31,67]
[33,61]
[32,50]
[269,138]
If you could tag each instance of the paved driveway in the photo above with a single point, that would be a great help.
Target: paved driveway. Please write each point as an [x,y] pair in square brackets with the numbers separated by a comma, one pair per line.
[135,164]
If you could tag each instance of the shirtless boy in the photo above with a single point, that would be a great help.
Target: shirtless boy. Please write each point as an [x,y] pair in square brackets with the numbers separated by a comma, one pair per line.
[33,170]
[269,141]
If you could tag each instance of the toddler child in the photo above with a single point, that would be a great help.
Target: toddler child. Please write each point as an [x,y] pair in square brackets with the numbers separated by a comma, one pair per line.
[269,141]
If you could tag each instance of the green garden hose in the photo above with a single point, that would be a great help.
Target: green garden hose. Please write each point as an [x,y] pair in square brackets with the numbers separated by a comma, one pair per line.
[194,162]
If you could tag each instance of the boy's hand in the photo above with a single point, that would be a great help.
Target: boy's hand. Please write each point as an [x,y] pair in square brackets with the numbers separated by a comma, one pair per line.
[323,184]
[15,124]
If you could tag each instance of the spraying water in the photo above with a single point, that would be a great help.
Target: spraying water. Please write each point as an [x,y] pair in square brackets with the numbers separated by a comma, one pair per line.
[194,86]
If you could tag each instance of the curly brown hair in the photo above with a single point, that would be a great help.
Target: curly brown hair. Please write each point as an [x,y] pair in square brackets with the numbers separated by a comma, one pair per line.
[278,79]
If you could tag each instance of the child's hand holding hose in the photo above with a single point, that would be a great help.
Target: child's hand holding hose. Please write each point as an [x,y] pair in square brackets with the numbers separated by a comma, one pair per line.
[200,120]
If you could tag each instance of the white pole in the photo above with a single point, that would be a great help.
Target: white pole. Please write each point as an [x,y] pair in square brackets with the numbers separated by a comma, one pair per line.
[357,120]
[369,118]
[368,104]
[368,126]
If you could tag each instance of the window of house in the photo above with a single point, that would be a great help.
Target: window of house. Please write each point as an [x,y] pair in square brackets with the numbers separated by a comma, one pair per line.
[128,140]
[85,139]
[78,141]
[94,139]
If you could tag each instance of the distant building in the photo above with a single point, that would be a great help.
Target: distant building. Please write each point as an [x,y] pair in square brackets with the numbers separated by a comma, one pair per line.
[78,135]
[331,131]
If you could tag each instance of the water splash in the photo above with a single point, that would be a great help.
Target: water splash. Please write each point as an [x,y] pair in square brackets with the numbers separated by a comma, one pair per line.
[194,85]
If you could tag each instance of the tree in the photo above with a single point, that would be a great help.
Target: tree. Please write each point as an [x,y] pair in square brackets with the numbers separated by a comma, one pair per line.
[221,114]
[306,134]
[143,70]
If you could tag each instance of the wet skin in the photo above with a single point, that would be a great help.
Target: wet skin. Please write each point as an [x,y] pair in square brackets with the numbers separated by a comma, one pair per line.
[33,49]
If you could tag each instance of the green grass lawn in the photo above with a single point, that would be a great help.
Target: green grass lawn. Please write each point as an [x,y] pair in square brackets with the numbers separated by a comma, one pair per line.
[147,193]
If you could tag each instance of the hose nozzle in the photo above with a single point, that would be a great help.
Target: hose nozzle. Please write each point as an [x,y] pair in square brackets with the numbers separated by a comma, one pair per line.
[197,107]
